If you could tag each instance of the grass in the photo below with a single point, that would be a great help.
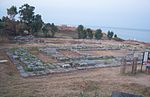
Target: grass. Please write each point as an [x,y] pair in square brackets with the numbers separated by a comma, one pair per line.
[137,89]
[105,59]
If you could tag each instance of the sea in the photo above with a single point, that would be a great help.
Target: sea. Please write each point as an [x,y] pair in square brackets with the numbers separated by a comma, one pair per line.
[142,35]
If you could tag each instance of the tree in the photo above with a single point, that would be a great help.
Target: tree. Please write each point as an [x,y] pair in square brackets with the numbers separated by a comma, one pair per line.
[21,27]
[45,29]
[80,30]
[36,24]
[110,34]
[89,33]
[83,34]
[49,28]
[98,34]
[12,11]
[115,36]
[10,28]
[26,13]
[54,29]
[2,24]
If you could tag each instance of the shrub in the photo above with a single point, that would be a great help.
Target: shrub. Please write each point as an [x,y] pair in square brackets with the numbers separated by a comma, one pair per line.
[28,69]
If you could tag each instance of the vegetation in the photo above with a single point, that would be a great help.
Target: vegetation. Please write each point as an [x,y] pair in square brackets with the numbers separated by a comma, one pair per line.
[110,35]
[26,13]
[2,24]
[89,33]
[80,30]
[115,36]
[12,11]
[45,29]
[53,29]
[36,24]
[28,69]
[98,34]
[49,28]
[118,39]
[29,23]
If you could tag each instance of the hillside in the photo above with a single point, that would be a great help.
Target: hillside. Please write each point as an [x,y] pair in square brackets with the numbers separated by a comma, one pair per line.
[71,32]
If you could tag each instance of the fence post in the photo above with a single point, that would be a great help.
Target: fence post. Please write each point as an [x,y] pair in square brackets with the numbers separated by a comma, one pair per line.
[134,66]
[123,69]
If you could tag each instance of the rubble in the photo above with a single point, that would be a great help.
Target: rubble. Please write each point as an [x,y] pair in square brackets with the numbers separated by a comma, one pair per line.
[23,39]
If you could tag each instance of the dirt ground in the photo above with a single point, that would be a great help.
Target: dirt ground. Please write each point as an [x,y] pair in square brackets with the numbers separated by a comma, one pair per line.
[101,80]
[108,53]
[45,58]
[70,53]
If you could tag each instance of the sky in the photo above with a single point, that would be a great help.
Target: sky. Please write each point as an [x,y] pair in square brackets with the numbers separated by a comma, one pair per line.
[102,13]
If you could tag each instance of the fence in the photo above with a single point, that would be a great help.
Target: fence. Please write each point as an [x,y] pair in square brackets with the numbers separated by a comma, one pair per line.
[129,66]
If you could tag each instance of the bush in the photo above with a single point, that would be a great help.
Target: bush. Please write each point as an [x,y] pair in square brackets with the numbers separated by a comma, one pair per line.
[28,69]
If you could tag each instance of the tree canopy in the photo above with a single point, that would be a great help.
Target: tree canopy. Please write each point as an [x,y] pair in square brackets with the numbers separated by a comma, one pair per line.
[12,11]
[80,30]
[115,36]
[89,33]
[26,13]
[54,29]
[33,23]
[36,24]
[49,30]
[98,34]
[110,35]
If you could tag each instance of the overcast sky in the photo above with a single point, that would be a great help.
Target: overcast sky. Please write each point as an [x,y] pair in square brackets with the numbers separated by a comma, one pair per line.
[116,13]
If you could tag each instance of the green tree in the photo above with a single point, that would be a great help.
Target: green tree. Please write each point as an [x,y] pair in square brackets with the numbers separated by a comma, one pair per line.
[26,13]
[12,11]
[36,24]
[80,30]
[45,29]
[110,35]
[54,29]
[115,36]
[98,34]
[9,26]
[89,33]
[84,34]
[2,26]
[20,28]
[49,28]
